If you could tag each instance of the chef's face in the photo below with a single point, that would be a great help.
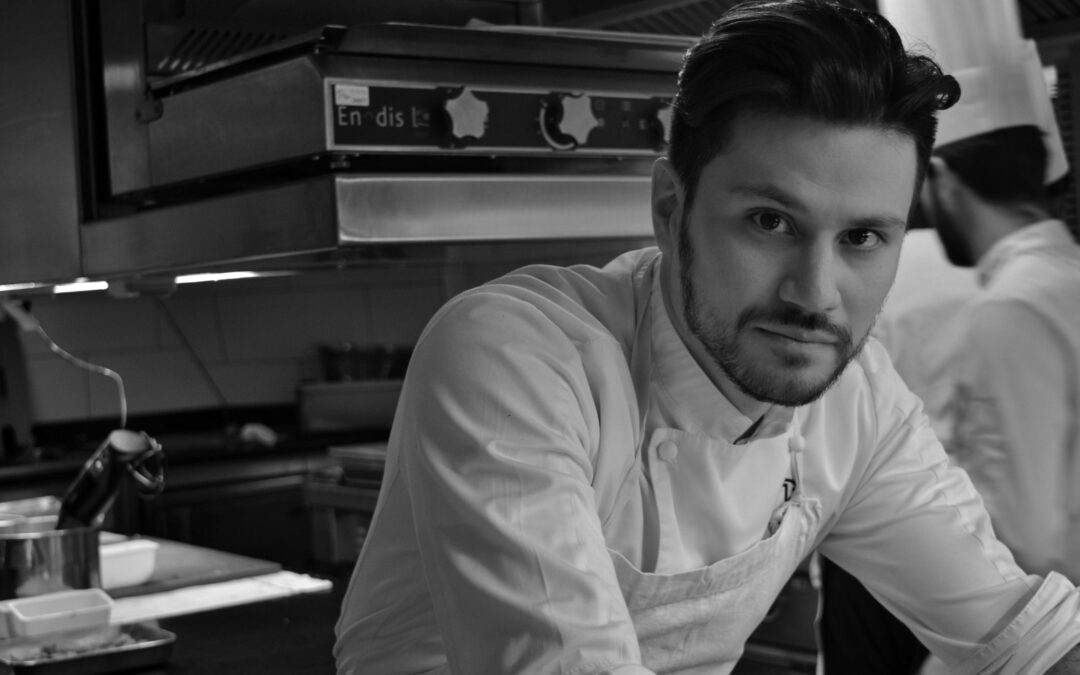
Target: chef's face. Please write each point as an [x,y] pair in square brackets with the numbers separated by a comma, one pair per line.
[776,272]
[934,203]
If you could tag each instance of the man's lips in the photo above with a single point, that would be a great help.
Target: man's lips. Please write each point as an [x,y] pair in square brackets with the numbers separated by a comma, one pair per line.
[800,334]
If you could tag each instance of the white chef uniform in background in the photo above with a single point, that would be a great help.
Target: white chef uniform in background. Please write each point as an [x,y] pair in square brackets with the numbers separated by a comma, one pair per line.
[1011,418]
[920,324]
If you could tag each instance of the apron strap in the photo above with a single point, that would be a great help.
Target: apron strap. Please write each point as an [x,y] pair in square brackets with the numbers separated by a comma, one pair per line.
[796,446]
[641,351]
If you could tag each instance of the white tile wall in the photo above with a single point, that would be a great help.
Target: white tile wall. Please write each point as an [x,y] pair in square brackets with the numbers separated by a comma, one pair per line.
[97,322]
[400,314]
[194,316]
[280,325]
[256,338]
[165,379]
[259,383]
[58,390]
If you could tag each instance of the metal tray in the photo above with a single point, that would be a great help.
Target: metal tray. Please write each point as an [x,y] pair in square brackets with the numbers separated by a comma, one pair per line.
[152,646]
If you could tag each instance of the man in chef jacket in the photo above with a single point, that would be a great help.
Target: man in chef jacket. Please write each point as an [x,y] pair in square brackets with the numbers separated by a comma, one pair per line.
[617,469]
[1017,396]
[1009,416]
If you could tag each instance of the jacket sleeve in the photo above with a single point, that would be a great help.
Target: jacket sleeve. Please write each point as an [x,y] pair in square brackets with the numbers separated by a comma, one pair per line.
[497,454]
[915,531]
[1012,420]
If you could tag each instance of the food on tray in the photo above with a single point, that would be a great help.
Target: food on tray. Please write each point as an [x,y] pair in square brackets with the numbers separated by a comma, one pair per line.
[66,645]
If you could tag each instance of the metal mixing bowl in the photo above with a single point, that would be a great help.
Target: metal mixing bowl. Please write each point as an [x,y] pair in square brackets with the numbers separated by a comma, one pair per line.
[36,558]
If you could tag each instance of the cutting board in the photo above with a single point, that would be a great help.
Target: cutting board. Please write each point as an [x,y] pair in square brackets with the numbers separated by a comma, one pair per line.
[178,565]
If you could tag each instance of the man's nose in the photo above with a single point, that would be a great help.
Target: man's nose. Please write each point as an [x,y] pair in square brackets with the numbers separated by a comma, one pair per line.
[810,281]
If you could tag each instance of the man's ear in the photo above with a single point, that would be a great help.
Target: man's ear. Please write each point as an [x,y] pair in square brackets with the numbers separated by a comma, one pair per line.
[941,179]
[667,205]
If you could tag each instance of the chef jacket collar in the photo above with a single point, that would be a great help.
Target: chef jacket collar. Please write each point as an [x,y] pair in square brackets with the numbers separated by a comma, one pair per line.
[690,400]
[1050,233]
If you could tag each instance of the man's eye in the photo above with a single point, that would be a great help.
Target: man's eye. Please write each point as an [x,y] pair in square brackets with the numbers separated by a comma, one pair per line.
[865,239]
[771,221]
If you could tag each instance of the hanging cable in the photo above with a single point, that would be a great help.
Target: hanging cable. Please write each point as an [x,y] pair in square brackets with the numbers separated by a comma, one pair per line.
[199,363]
[92,367]
[29,323]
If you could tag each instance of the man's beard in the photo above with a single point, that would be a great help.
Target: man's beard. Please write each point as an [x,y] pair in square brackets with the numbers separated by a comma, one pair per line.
[950,232]
[721,341]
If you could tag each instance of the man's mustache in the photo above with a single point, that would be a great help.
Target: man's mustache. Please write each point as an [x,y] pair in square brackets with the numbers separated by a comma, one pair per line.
[795,318]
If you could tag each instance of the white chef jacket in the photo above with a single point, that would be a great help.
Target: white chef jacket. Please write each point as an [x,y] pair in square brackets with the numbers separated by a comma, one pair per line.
[1017,426]
[920,324]
[513,468]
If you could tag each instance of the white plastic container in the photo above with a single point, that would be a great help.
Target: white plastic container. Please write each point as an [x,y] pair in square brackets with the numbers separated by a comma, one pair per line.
[55,612]
[127,562]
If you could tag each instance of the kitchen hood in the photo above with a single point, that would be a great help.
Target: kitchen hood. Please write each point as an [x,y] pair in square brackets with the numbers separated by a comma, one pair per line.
[333,143]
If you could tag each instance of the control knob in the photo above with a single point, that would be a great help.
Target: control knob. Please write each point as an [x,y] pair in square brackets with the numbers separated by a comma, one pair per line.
[577,117]
[574,121]
[468,115]
[663,118]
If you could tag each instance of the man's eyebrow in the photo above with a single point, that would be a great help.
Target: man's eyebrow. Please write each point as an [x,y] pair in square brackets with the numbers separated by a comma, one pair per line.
[881,223]
[770,192]
[775,194]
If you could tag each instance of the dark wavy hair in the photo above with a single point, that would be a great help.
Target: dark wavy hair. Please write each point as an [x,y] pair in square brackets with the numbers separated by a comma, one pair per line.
[802,57]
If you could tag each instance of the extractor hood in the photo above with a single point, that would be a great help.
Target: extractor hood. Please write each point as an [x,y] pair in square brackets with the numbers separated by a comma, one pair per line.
[333,142]
[152,136]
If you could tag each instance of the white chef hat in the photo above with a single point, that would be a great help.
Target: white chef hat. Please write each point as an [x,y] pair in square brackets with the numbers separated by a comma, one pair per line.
[980,43]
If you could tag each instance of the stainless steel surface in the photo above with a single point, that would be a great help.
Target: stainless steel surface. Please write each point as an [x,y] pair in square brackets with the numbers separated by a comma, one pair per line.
[233,119]
[82,184]
[260,224]
[245,160]
[36,558]
[32,506]
[216,129]
[492,208]
[145,645]
[124,69]
[39,174]
[222,120]
[276,225]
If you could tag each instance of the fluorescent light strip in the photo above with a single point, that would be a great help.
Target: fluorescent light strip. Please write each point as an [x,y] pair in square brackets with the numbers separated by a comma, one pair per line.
[12,288]
[81,286]
[224,276]
[85,285]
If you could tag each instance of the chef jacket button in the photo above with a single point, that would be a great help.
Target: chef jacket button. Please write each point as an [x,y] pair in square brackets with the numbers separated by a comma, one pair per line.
[668,451]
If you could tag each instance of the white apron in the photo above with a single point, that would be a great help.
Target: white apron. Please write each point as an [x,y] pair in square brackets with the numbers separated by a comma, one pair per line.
[697,621]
